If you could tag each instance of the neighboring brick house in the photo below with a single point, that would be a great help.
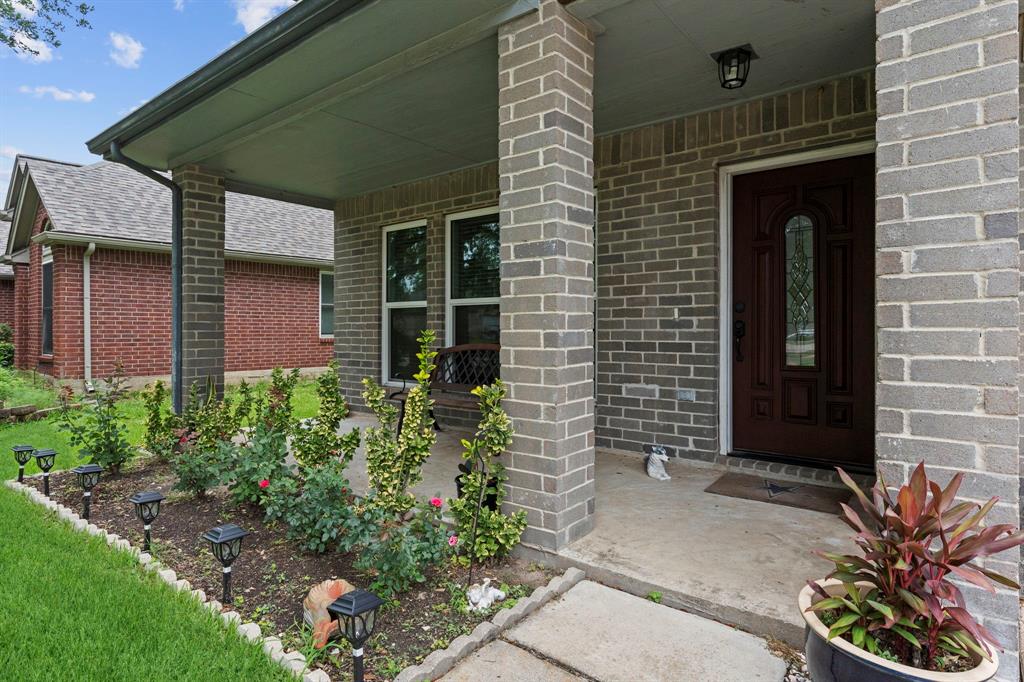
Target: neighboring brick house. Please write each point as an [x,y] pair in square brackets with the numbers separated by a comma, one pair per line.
[6,274]
[819,268]
[106,220]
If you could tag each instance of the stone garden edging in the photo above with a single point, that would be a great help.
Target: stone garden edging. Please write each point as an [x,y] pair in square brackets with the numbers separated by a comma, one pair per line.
[292,661]
[441,661]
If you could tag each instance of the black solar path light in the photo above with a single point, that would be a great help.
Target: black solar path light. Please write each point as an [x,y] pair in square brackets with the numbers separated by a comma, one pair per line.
[226,544]
[147,507]
[356,613]
[22,454]
[88,476]
[44,458]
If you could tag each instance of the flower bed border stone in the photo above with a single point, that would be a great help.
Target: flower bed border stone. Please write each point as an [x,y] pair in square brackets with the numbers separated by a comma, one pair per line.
[292,661]
[441,661]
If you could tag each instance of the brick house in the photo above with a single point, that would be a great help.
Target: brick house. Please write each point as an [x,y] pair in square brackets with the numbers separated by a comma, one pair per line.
[96,238]
[820,267]
[6,274]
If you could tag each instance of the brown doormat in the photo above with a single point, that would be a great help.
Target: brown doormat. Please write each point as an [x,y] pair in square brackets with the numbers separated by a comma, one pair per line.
[802,495]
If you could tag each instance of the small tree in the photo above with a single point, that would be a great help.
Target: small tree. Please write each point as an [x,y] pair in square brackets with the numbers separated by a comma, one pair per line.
[394,462]
[99,433]
[490,533]
[24,24]
[317,443]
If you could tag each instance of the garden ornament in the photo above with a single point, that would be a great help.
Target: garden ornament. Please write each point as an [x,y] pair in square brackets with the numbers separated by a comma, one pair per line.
[314,609]
[482,597]
[655,463]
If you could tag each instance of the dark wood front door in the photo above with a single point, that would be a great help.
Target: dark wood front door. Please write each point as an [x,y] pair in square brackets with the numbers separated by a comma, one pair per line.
[803,312]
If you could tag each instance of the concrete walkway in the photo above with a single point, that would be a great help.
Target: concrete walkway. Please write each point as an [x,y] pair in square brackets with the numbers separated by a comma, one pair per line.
[597,633]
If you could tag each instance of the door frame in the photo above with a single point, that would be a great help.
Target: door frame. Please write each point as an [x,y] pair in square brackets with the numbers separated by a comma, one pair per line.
[726,173]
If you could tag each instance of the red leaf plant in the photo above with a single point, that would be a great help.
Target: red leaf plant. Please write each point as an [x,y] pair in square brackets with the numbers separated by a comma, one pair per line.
[900,602]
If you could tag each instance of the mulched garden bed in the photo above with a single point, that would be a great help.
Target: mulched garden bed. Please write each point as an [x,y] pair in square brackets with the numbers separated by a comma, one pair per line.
[273,575]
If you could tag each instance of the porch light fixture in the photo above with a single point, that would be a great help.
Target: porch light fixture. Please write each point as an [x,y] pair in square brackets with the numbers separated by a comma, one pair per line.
[734,65]
[44,458]
[147,508]
[22,454]
[226,544]
[356,613]
[88,476]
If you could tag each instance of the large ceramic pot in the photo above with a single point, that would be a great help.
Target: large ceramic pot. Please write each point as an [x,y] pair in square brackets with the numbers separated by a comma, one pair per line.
[841,661]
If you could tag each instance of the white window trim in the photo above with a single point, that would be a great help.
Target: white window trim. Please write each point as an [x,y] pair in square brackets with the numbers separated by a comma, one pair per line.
[320,305]
[449,303]
[47,260]
[385,320]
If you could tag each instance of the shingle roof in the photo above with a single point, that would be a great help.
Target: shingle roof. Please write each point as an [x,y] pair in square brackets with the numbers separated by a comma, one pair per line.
[107,199]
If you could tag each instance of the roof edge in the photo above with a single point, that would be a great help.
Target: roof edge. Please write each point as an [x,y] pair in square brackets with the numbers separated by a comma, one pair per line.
[274,37]
[58,237]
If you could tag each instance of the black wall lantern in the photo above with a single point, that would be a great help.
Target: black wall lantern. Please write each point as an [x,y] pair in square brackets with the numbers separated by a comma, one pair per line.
[88,476]
[147,507]
[356,613]
[44,458]
[22,454]
[226,544]
[734,65]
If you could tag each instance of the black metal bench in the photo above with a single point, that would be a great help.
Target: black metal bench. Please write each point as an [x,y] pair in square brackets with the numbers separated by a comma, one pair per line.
[458,370]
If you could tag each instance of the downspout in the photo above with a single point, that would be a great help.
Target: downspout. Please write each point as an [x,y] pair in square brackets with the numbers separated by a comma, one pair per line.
[176,267]
[87,315]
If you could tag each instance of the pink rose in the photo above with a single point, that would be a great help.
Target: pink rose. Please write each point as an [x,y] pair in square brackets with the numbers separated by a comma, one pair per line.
[264,483]
[453,540]
[436,502]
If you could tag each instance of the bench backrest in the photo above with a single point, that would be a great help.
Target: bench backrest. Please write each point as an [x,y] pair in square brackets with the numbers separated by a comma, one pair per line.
[463,368]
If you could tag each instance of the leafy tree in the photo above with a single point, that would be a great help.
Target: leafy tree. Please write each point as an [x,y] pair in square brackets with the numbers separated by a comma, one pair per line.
[26,23]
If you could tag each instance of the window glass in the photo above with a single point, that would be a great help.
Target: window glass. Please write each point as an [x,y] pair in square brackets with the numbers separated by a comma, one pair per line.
[47,322]
[475,257]
[405,325]
[326,304]
[477,324]
[799,235]
[407,265]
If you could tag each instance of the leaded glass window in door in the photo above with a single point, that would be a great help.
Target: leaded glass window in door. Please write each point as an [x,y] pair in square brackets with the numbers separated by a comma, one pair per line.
[799,284]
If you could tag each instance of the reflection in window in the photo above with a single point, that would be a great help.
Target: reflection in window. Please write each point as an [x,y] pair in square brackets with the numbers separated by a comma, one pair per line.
[475,260]
[405,300]
[799,282]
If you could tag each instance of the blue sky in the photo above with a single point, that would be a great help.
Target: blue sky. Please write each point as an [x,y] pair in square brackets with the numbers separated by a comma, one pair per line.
[51,104]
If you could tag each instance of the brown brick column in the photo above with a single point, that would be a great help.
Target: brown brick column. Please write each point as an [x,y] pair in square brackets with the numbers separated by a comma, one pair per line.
[948,262]
[546,134]
[22,358]
[203,278]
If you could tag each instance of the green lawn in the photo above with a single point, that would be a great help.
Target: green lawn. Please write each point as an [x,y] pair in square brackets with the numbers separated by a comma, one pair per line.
[72,609]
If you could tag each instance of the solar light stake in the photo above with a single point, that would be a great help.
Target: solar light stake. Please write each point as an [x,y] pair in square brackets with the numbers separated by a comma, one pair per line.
[226,544]
[147,507]
[22,454]
[356,613]
[44,458]
[88,476]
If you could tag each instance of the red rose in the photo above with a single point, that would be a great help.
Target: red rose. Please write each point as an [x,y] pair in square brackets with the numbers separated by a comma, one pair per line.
[264,483]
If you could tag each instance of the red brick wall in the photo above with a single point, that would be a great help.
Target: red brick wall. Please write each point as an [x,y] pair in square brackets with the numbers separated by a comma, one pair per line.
[271,311]
[7,301]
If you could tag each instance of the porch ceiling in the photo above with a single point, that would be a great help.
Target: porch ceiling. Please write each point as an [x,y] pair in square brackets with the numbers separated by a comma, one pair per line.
[389,91]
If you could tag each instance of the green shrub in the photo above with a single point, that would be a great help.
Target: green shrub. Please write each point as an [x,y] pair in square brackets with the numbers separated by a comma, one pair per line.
[162,426]
[6,354]
[6,333]
[276,410]
[251,467]
[318,516]
[394,463]
[485,533]
[317,443]
[98,431]
[199,468]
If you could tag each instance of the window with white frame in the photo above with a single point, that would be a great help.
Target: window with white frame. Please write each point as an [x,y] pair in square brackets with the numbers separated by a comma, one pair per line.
[46,324]
[405,298]
[474,262]
[326,304]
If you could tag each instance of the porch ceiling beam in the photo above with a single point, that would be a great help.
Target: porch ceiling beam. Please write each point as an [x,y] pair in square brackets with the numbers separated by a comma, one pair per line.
[239,187]
[453,39]
[585,9]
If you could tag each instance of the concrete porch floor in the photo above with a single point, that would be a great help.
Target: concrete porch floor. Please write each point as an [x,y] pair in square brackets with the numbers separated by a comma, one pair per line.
[740,562]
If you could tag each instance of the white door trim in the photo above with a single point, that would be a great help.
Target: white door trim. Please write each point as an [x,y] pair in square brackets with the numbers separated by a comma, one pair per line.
[726,174]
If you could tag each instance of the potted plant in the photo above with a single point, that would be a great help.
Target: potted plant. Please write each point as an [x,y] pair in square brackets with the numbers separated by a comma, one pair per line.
[893,612]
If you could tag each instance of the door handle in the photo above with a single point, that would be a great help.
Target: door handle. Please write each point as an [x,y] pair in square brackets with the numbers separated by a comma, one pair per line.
[739,330]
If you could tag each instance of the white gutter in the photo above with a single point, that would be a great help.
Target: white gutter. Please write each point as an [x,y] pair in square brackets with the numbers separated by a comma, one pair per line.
[87,315]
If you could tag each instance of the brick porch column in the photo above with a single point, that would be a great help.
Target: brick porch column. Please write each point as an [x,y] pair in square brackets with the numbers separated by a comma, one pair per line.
[22,358]
[545,80]
[947,260]
[203,278]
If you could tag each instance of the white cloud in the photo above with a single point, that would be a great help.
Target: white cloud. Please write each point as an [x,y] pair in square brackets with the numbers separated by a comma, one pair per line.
[43,52]
[57,94]
[9,151]
[252,14]
[179,5]
[125,50]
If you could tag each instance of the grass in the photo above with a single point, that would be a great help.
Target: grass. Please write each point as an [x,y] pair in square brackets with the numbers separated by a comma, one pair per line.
[46,433]
[19,387]
[71,609]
